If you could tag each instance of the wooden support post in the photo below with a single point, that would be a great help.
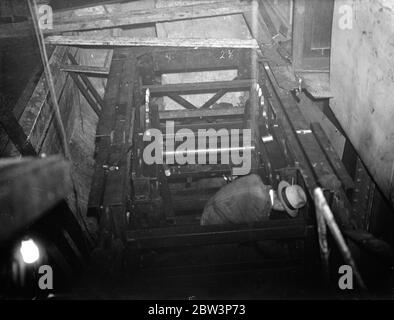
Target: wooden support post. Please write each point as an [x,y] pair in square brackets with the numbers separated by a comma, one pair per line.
[252,118]
[103,134]
[163,183]
[111,185]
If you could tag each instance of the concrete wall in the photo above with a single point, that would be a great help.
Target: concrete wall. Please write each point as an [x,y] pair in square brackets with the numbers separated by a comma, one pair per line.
[362,82]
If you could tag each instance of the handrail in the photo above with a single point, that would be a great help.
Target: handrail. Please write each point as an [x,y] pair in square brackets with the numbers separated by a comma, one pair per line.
[325,218]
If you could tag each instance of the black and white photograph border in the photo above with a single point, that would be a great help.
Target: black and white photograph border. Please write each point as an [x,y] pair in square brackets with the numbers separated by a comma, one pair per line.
[206,151]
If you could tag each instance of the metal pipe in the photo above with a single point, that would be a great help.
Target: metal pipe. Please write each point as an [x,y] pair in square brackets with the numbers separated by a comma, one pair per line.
[323,244]
[213,150]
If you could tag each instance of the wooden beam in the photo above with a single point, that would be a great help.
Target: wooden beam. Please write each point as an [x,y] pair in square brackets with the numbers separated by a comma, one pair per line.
[282,25]
[85,93]
[313,163]
[208,59]
[184,114]
[28,188]
[207,125]
[164,188]
[183,102]
[199,87]
[124,15]
[215,98]
[257,27]
[111,185]
[5,147]
[332,156]
[195,172]
[87,70]
[15,132]
[267,20]
[196,235]
[87,82]
[105,41]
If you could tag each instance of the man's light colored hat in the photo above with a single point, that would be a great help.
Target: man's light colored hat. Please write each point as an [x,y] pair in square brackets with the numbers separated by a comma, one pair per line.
[292,197]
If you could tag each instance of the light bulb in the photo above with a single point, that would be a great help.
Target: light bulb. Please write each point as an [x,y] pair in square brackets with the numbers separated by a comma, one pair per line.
[29,251]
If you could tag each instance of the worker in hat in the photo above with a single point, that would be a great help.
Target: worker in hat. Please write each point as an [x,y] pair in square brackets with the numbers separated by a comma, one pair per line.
[248,199]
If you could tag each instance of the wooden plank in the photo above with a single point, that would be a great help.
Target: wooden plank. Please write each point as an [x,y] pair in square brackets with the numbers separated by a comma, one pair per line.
[199,87]
[36,116]
[125,16]
[188,60]
[184,236]
[105,41]
[88,70]
[184,114]
[23,100]
[31,85]
[29,187]
[33,110]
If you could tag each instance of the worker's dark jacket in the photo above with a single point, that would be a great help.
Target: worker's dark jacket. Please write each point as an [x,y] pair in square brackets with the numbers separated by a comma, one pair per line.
[244,200]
